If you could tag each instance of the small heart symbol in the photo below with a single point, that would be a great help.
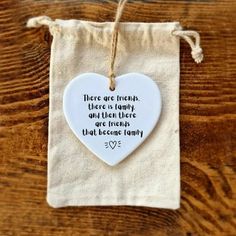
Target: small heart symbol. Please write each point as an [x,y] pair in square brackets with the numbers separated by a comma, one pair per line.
[126,115]
[112,144]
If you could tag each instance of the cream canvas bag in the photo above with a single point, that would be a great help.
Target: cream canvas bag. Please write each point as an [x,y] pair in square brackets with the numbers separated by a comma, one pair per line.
[150,176]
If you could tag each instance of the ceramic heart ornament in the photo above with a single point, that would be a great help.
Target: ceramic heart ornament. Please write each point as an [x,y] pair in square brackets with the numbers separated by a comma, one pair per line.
[112,124]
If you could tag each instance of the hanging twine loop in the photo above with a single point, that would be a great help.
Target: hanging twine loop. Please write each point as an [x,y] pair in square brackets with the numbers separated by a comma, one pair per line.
[114,41]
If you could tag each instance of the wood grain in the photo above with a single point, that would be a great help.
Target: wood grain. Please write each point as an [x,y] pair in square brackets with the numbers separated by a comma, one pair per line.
[208,123]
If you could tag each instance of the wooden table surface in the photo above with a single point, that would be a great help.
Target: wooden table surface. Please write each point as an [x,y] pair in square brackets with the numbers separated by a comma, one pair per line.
[207,120]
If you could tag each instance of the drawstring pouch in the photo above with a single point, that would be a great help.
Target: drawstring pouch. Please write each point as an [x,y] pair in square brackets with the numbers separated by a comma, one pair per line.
[135,68]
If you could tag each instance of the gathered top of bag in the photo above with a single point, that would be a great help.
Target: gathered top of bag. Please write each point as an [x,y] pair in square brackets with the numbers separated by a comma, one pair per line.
[190,36]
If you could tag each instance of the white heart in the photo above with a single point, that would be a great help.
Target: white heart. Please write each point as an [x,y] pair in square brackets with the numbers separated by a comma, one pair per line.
[119,141]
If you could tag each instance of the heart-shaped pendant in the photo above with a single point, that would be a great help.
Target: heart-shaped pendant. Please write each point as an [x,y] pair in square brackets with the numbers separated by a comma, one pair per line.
[112,124]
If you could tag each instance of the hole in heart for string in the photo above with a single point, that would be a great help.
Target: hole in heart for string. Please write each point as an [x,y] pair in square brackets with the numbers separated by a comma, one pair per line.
[112,89]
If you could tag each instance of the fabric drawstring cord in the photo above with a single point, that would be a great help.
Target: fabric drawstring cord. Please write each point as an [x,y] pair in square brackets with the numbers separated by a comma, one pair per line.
[187,35]
[36,22]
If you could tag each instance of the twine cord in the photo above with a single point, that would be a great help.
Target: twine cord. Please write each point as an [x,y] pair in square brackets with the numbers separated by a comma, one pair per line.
[114,42]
